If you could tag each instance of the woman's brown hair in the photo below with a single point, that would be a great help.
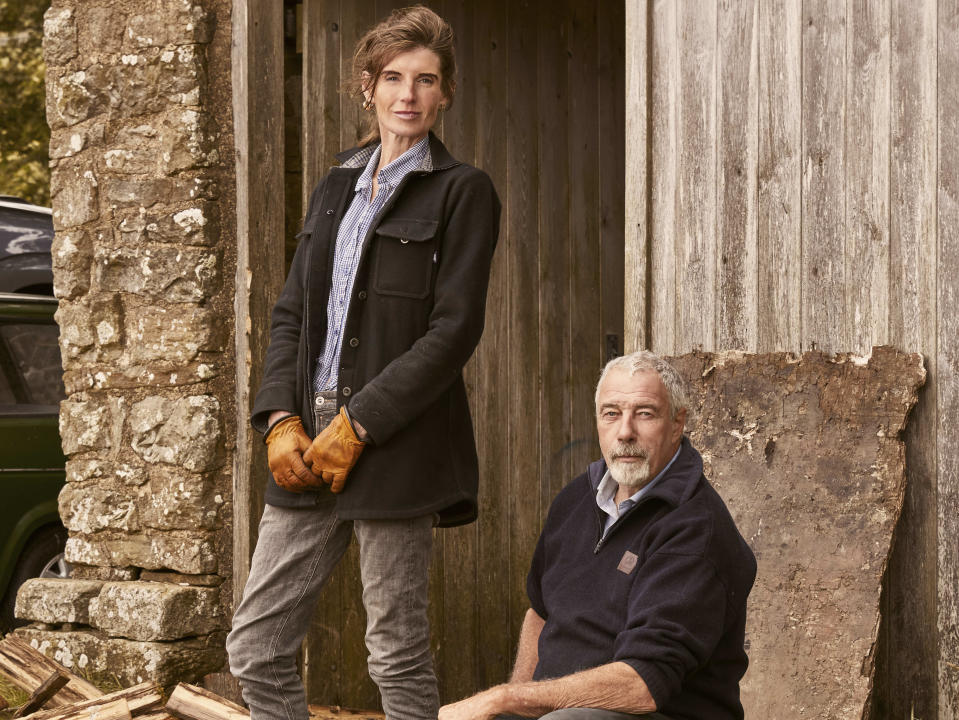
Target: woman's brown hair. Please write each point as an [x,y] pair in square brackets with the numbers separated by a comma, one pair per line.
[404,30]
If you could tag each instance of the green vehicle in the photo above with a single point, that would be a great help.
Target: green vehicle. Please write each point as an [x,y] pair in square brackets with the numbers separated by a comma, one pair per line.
[31,460]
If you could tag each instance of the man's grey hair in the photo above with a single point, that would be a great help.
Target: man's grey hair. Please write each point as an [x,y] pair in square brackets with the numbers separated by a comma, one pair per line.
[642,360]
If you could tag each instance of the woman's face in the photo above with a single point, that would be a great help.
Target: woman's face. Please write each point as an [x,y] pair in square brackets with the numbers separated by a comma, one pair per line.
[408,95]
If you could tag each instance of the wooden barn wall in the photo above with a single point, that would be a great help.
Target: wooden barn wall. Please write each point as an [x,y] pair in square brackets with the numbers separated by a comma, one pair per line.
[792,184]
[539,105]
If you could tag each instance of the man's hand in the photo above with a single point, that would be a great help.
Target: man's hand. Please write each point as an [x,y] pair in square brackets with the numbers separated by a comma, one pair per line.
[334,452]
[482,706]
[285,445]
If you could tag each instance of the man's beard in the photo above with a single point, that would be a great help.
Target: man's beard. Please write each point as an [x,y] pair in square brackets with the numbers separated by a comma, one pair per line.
[630,475]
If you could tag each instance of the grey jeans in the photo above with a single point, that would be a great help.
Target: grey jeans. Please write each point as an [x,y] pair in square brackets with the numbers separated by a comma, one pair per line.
[296,552]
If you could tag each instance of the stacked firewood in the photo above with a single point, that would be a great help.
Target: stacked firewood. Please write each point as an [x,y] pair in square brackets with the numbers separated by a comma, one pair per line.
[58,694]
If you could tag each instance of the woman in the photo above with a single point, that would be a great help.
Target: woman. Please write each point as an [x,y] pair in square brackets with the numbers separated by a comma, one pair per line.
[362,403]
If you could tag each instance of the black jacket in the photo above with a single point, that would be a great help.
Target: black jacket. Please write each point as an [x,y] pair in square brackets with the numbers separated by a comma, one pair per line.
[416,314]
[665,591]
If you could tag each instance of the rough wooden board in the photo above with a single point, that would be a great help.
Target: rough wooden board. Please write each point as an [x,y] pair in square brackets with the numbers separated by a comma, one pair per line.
[808,455]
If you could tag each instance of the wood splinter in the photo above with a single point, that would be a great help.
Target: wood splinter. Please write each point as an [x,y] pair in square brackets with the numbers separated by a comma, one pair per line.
[50,687]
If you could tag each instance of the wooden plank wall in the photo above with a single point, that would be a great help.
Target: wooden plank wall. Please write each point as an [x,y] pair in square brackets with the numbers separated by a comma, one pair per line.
[539,106]
[799,166]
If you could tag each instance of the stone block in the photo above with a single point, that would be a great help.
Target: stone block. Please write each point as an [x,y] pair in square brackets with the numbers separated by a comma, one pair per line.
[172,334]
[84,425]
[50,600]
[72,256]
[135,149]
[153,611]
[807,453]
[59,36]
[195,224]
[73,97]
[154,376]
[151,80]
[123,192]
[91,330]
[67,142]
[184,24]
[170,274]
[89,509]
[104,574]
[188,141]
[176,500]
[184,432]
[74,195]
[129,662]
[193,554]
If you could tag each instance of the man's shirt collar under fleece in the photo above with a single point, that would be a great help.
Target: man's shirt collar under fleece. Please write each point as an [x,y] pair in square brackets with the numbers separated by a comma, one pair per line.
[606,494]
[356,223]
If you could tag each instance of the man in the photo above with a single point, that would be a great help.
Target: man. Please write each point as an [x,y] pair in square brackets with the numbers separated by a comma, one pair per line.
[639,581]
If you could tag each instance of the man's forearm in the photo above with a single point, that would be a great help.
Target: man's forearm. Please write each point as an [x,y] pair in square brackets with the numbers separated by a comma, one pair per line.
[527,651]
[615,686]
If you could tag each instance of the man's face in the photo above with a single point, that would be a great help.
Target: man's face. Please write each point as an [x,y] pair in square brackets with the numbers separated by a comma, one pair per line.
[636,434]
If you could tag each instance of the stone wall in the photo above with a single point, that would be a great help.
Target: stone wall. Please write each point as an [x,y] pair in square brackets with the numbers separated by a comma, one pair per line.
[142,192]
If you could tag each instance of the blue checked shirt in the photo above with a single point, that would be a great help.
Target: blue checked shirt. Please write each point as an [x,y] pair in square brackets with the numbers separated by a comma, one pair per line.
[349,246]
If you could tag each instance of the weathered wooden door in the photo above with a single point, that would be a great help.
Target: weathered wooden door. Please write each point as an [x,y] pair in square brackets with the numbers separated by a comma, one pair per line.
[539,106]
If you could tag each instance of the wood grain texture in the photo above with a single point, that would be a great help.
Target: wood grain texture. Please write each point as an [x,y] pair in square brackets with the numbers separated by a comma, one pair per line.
[947,362]
[552,32]
[491,405]
[28,668]
[260,268]
[736,169]
[779,212]
[637,178]
[695,231]
[456,668]
[587,336]
[522,210]
[906,667]
[321,89]
[663,169]
[188,702]
[823,206]
[867,175]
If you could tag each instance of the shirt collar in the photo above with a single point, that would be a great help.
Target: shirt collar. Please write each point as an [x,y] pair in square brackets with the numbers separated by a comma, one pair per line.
[392,174]
[606,492]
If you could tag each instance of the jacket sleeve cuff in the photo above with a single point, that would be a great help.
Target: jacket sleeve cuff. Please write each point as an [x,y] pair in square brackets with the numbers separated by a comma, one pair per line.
[660,685]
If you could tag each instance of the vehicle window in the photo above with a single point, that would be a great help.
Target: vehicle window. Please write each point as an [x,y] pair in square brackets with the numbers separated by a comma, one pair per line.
[24,232]
[30,358]
[6,392]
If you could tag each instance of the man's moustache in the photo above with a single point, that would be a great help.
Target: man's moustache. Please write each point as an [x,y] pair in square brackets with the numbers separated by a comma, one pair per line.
[630,452]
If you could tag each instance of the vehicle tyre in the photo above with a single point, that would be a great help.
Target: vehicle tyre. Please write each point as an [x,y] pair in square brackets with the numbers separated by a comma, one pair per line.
[42,556]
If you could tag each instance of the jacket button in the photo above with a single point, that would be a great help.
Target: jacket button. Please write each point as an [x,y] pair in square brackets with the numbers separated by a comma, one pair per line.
[329,212]
[354,342]
[346,392]
[361,295]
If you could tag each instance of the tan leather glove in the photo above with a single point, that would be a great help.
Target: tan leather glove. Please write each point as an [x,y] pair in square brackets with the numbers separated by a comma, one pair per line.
[335,451]
[285,444]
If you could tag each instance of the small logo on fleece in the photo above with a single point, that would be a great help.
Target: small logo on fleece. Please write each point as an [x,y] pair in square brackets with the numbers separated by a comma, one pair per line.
[628,562]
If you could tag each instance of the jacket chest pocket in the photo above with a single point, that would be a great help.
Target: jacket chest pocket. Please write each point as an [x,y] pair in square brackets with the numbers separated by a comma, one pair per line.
[404,257]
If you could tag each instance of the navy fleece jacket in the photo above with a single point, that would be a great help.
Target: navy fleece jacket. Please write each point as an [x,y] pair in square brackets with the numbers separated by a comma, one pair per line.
[665,591]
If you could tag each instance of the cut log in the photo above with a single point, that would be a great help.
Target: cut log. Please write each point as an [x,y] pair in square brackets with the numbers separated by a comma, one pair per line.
[189,702]
[117,709]
[142,700]
[335,712]
[51,686]
[28,668]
